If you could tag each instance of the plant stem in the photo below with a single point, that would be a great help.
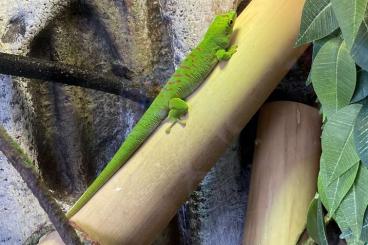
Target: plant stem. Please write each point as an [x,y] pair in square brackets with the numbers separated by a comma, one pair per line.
[27,171]
[33,68]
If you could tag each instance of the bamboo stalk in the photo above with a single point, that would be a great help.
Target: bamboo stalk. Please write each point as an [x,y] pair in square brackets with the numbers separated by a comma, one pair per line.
[139,201]
[284,173]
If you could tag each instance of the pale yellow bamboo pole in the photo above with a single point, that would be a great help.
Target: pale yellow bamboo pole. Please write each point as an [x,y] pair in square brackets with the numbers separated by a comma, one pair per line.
[139,201]
[284,173]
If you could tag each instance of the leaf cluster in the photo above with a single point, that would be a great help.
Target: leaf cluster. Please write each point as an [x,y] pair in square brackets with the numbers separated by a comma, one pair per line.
[338,30]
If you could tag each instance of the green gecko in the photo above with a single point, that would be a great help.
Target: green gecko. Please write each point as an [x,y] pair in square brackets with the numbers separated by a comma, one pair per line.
[169,103]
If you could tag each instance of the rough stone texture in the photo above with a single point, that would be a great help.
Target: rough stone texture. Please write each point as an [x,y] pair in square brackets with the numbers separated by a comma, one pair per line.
[21,20]
[189,21]
[20,214]
[70,132]
[82,128]
[216,210]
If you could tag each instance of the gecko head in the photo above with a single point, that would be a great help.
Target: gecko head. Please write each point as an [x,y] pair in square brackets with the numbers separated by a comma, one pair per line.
[222,27]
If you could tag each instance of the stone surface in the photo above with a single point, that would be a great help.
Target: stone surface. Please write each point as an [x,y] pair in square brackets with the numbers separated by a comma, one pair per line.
[69,132]
[20,214]
[216,210]
[22,20]
[189,21]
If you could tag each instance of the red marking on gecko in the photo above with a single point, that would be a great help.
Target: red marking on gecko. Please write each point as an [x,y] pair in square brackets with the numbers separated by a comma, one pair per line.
[178,75]
[185,67]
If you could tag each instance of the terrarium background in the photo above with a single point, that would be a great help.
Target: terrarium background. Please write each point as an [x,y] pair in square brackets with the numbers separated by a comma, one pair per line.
[71,132]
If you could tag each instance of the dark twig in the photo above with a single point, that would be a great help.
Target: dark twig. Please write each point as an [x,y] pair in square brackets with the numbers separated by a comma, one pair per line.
[57,72]
[25,168]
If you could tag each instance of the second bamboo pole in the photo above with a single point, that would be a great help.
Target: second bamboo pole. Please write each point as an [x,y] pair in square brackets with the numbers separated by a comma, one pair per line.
[284,173]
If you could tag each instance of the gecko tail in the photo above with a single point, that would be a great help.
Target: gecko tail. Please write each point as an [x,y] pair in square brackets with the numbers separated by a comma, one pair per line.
[142,130]
[101,179]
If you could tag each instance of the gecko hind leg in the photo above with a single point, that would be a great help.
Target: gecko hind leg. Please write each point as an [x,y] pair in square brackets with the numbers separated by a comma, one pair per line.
[178,108]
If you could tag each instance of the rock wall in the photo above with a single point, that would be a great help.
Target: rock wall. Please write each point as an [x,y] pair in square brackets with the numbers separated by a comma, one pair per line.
[70,132]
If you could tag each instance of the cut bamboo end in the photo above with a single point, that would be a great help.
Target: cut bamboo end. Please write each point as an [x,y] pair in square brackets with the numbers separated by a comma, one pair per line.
[139,201]
[284,173]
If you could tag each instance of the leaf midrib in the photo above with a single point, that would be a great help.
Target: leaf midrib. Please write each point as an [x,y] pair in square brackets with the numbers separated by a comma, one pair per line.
[309,26]
[336,76]
[340,156]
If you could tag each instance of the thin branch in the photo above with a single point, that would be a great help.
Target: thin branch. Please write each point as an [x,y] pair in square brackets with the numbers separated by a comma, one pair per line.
[33,68]
[27,171]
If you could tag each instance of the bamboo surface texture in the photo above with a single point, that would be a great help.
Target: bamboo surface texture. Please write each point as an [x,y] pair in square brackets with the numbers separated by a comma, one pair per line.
[139,201]
[284,173]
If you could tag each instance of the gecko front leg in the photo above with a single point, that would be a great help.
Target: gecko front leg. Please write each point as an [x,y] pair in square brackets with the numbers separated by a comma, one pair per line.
[223,54]
[178,108]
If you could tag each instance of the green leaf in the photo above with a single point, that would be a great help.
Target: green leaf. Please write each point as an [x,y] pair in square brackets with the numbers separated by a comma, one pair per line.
[334,193]
[318,20]
[359,51]
[351,212]
[338,150]
[322,183]
[361,90]
[333,76]
[349,15]
[315,222]
[361,133]
[317,45]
